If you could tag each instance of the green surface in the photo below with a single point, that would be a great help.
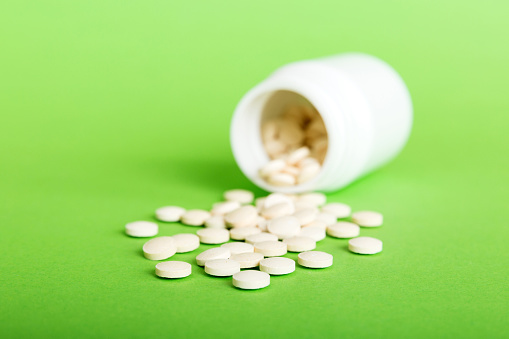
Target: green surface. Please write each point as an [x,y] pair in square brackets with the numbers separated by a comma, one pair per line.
[110,109]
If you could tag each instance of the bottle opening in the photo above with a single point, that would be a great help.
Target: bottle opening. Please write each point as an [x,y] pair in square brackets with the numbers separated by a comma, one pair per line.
[294,137]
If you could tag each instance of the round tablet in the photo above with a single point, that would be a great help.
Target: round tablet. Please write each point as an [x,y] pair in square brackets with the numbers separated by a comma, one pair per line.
[247,260]
[275,199]
[337,209]
[242,217]
[223,207]
[222,267]
[170,213]
[239,195]
[300,244]
[141,229]
[277,266]
[314,198]
[211,254]
[195,217]
[238,247]
[344,229]
[306,215]
[173,269]
[284,227]
[186,242]
[213,235]
[263,236]
[159,248]
[316,223]
[240,233]
[315,259]
[315,233]
[278,210]
[365,245]
[270,248]
[368,218]
[215,221]
[251,280]
[327,218]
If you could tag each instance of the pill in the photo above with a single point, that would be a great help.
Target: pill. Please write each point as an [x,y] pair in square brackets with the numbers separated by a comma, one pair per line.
[251,280]
[247,260]
[297,155]
[264,236]
[315,233]
[244,216]
[300,205]
[277,266]
[367,218]
[195,217]
[308,172]
[317,224]
[276,198]
[315,259]
[173,269]
[223,207]
[278,210]
[211,254]
[261,223]
[300,244]
[222,267]
[213,235]
[284,227]
[238,247]
[343,229]
[337,209]
[240,233]
[292,170]
[327,218]
[365,245]
[141,229]
[239,195]
[270,248]
[307,161]
[215,221]
[159,248]
[260,204]
[306,215]
[314,198]
[170,213]
[281,179]
[272,166]
[186,242]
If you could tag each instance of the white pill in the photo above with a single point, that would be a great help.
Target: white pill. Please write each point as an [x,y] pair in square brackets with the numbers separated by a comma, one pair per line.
[141,229]
[300,205]
[300,244]
[277,266]
[159,248]
[365,245]
[316,224]
[343,229]
[195,217]
[221,208]
[211,254]
[327,218]
[170,213]
[314,198]
[368,218]
[264,236]
[251,280]
[186,242]
[276,198]
[284,227]
[298,155]
[278,210]
[306,215]
[308,172]
[337,209]
[270,248]
[244,216]
[215,221]
[281,179]
[238,247]
[213,235]
[272,166]
[240,233]
[222,267]
[259,203]
[247,260]
[173,269]
[292,170]
[261,223]
[315,259]
[239,195]
[315,233]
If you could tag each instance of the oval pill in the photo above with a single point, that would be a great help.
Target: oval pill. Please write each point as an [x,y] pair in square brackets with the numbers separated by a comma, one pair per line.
[159,248]
[186,242]
[315,259]
[277,266]
[211,254]
[222,267]
[251,280]
[365,245]
[343,229]
[173,269]
[141,229]
[213,235]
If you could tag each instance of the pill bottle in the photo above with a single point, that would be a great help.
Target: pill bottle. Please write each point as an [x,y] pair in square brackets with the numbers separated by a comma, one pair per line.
[364,104]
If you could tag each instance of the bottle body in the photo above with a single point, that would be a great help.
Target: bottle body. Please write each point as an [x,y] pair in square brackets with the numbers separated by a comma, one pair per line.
[364,104]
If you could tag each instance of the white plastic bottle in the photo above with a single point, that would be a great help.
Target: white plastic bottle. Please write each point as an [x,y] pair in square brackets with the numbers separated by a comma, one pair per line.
[363,102]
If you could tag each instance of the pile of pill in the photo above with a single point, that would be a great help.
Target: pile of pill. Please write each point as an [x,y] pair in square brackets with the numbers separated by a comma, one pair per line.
[262,230]
[296,142]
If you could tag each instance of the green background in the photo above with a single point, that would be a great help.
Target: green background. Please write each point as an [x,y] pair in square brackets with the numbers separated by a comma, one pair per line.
[110,109]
